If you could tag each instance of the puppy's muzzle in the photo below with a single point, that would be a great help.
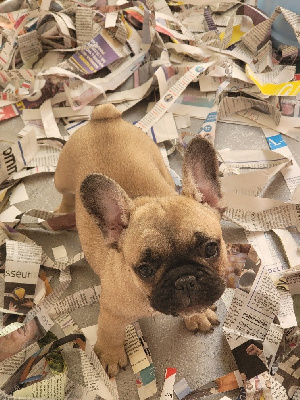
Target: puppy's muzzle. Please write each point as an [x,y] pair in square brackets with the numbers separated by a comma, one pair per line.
[185,287]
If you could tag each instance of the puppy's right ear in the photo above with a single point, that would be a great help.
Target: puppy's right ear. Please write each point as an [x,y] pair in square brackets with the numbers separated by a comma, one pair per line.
[200,173]
[108,204]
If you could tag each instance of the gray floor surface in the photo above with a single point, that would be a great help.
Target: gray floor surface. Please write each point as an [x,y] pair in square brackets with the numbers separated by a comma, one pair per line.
[198,358]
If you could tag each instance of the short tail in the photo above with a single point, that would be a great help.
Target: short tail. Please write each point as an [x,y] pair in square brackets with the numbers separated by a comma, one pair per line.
[105,111]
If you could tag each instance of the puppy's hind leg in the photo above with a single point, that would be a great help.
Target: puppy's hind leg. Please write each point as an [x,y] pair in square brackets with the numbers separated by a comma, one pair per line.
[64,183]
[67,204]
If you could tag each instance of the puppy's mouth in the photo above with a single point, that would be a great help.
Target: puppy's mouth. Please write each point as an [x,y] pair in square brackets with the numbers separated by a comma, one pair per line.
[187,288]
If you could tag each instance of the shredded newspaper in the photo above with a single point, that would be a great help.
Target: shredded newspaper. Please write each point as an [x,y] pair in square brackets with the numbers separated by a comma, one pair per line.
[198,60]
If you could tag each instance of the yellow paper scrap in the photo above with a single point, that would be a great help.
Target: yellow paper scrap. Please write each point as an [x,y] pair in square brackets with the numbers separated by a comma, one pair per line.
[237,34]
[272,89]
[3,193]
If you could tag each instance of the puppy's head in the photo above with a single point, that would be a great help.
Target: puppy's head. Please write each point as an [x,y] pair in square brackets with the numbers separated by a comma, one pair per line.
[172,246]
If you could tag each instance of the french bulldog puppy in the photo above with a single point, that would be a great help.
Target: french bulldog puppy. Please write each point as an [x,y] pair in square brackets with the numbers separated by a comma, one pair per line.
[154,250]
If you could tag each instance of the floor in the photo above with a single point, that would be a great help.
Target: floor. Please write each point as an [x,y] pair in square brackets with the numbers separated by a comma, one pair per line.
[199,358]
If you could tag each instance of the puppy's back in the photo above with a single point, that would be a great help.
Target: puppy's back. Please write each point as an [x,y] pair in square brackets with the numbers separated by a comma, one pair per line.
[113,147]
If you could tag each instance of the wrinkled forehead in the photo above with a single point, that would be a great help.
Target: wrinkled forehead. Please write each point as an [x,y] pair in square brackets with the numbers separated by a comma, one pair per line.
[167,226]
[176,215]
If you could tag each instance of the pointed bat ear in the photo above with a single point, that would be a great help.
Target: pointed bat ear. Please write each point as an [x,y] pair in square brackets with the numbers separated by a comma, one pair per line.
[108,204]
[200,173]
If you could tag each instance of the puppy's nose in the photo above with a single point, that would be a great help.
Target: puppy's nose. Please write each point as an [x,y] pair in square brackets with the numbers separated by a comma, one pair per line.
[185,282]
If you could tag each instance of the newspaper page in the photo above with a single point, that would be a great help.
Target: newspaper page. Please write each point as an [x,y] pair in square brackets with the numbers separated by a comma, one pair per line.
[247,314]
[251,183]
[292,173]
[281,89]
[286,314]
[145,378]
[248,326]
[252,158]
[288,372]
[52,388]
[16,381]
[48,221]
[79,299]
[229,105]
[21,275]
[271,343]
[195,104]
[14,342]
[81,94]
[34,100]
[16,156]
[293,281]
[135,351]
[264,57]
[290,247]
[19,194]
[67,324]
[29,45]
[106,390]
[261,214]
[46,156]
[208,128]
[176,38]
[182,389]
[47,303]
[48,120]
[135,94]
[32,171]
[11,364]
[101,51]
[168,388]
[58,112]
[264,120]
[258,33]
[225,383]
[169,98]
[94,375]
[84,24]
[164,129]
[242,260]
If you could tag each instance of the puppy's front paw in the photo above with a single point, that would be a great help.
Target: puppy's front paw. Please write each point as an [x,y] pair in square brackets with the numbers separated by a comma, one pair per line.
[202,322]
[111,361]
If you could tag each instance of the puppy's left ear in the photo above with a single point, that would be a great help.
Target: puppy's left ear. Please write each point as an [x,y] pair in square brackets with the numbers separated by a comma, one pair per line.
[108,204]
[200,173]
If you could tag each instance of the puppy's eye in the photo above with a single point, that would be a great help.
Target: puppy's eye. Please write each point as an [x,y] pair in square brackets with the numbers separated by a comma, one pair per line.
[146,270]
[211,249]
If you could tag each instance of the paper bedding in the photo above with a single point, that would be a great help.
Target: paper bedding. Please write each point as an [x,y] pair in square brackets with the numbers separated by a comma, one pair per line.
[192,59]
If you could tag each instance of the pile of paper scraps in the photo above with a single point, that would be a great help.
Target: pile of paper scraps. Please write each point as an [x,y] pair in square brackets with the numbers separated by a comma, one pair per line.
[198,59]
